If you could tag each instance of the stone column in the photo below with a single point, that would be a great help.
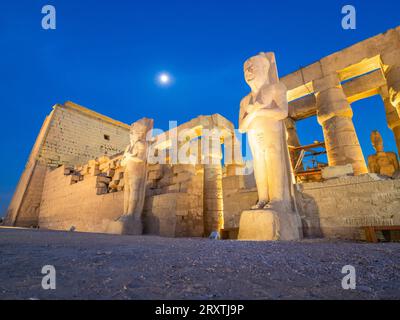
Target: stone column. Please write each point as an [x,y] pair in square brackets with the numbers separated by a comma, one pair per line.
[233,156]
[213,197]
[393,121]
[292,140]
[335,116]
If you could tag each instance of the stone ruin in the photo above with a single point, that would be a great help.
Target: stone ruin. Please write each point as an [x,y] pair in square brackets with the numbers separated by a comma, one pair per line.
[74,178]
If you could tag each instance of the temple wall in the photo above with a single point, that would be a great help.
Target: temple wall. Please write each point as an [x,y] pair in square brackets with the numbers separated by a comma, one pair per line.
[69,203]
[239,194]
[30,206]
[339,207]
[77,135]
[174,201]
[28,191]
[334,208]
[70,135]
[89,196]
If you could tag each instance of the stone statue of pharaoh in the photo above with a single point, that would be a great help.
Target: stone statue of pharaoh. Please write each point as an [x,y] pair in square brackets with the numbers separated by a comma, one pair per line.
[383,163]
[135,162]
[262,115]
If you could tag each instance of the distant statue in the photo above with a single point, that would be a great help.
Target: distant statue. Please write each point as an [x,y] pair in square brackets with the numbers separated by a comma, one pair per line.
[135,162]
[262,115]
[383,163]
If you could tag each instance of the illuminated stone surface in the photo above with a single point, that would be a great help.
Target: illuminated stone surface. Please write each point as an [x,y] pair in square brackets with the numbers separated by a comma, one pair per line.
[135,162]
[335,116]
[383,163]
[74,177]
[262,115]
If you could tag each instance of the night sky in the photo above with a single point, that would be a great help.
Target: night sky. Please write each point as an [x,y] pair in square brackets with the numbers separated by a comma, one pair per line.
[105,55]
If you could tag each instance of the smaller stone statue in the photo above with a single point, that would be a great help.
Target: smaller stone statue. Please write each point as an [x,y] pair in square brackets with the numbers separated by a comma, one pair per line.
[135,162]
[383,163]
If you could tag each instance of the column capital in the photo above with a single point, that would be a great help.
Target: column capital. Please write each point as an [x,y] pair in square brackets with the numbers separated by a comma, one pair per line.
[392,118]
[290,123]
[332,103]
[391,68]
[393,82]
[327,82]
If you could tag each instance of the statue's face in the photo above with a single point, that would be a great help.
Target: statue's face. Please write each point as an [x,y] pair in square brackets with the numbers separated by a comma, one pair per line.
[137,134]
[140,129]
[134,136]
[256,72]
[377,141]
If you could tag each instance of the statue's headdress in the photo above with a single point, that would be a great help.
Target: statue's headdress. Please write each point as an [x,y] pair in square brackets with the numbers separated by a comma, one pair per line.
[273,70]
[142,126]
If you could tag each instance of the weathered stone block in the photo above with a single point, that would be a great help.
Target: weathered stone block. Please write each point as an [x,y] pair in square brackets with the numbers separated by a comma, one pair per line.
[337,171]
[155,175]
[110,173]
[102,190]
[68,171]
[268,225]
[103,160]
[171,189]
[101,185]
[182,177]
[154,167]
[103,179]
[179,168]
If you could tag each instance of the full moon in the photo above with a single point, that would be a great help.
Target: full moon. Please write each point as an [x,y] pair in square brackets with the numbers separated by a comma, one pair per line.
[164,78]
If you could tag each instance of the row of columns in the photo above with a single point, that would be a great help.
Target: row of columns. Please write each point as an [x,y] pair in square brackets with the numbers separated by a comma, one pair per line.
[208,146]
[335,115]
[213,192]
[209,153]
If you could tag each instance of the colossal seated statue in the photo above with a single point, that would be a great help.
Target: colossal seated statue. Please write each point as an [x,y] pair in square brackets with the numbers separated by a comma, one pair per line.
[383,163]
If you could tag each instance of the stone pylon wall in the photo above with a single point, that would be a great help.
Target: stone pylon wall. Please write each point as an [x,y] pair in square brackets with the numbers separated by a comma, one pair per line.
[70,135]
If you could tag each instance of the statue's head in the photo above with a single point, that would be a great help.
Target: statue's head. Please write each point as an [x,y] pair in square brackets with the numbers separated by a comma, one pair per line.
[140,129]
[377,141]
[260,70]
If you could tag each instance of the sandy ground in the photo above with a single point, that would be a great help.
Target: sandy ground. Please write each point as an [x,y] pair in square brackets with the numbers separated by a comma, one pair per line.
[93,266]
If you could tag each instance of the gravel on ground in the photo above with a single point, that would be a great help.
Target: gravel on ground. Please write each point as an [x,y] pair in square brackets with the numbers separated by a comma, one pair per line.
[96,266]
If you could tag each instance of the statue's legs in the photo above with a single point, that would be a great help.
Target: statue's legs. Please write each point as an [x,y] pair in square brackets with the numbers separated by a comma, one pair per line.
[270,167]
[276,158]
[134,193]
[127,192]
[256,141]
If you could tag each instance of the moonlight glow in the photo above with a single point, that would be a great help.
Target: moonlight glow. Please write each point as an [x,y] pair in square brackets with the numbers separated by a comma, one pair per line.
[164,79]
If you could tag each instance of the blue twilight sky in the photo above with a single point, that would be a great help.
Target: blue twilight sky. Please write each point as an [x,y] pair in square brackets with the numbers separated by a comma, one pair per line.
[105,55]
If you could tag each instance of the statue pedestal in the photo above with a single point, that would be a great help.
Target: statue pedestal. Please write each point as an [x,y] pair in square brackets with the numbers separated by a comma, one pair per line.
[125,226]
[269,225]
